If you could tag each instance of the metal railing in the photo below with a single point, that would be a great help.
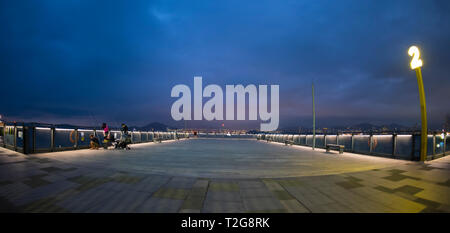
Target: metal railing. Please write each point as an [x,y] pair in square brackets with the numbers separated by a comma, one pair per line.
[392,145]
[225,135]
[29,139]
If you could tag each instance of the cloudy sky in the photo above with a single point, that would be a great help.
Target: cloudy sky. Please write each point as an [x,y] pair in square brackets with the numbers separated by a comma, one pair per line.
[86,62]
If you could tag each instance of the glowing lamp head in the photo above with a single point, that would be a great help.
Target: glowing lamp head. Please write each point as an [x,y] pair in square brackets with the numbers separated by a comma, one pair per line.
[416,62]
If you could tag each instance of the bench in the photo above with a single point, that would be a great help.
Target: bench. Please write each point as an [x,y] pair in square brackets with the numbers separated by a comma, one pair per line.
[158,139]
[290,142]
[335,147]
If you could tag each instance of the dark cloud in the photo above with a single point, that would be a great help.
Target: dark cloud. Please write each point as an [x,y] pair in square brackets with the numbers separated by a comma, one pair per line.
[118,60]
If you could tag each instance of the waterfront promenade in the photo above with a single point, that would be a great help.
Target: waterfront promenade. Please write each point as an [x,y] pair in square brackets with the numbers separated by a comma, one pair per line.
[156,177]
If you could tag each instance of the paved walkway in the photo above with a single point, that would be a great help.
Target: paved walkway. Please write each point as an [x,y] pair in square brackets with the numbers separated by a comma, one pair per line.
[156,177]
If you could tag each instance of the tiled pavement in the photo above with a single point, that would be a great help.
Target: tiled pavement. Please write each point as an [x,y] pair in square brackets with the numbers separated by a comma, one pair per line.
[35,183]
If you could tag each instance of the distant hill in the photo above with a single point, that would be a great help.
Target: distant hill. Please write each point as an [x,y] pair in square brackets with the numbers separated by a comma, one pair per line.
[155,126]
[368,126]
[364,126]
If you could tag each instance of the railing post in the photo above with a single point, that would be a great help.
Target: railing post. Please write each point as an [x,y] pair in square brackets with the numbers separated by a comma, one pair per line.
[324,140]
[4,134]
[52,138]
[25,139]
[394,143]
[434,144]
[413,151]
[337,138]
[371,143]
[445,142]
[34,139]
[15,137]
[353,142]
[76,138]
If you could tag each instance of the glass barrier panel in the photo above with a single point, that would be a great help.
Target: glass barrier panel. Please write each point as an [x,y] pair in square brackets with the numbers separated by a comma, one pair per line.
[429,144]
[302,140]
[9,135]
[447,143]
[346,141]
[416,151]
[29,140]
[309,140]
[136,137]
[2,130]
[43,138]
[144,136]
[20,136]
[64,138]
[361,143]
[439,144]
[404,146]
[84,139]
[320,140]
[331,139]
[296,139]
[382,144]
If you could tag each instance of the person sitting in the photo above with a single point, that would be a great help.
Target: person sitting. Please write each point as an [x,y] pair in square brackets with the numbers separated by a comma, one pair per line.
[95,144]
[108,140]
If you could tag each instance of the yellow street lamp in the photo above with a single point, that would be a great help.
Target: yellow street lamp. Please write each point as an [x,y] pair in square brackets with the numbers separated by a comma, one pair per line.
[416,63]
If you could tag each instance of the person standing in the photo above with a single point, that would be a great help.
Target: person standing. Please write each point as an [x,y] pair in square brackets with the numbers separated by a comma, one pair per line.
[124,129]
[105,129]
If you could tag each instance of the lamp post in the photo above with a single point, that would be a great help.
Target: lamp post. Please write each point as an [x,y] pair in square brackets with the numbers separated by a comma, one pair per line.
[416,63]
[314,119]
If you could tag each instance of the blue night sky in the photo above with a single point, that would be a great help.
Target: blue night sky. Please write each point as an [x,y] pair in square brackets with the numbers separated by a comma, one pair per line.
[85,62]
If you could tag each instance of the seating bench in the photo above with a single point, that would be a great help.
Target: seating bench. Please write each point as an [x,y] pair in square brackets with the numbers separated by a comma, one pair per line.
[290,142]
[158,139]
[335,147]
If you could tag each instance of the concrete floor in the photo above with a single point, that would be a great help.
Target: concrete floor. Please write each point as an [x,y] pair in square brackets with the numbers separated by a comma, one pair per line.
[220,175]
[223,158]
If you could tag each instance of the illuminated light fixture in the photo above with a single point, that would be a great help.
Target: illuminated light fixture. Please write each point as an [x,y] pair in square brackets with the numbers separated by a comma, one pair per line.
[60,129]
[438,145]
[85,130]
[416,62]
[43,128]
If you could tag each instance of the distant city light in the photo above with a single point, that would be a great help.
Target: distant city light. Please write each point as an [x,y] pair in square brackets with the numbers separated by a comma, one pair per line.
[416,62]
